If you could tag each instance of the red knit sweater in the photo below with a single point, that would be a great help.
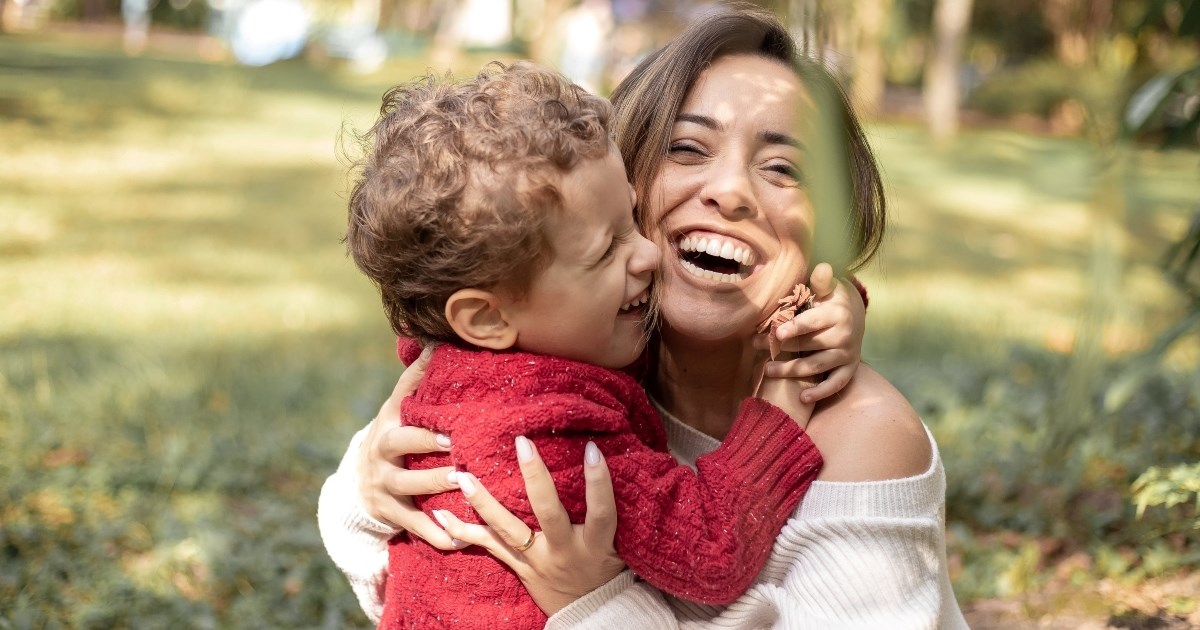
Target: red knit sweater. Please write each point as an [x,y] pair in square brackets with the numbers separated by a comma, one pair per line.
[700,536]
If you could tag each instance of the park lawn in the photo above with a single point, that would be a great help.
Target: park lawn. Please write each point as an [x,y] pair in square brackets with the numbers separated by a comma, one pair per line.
[185,348]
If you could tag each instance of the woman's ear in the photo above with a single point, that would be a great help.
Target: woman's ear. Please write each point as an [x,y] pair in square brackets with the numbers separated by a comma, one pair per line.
[477,318]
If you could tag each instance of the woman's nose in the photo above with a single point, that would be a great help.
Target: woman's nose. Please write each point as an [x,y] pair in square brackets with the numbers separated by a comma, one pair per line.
[728,189]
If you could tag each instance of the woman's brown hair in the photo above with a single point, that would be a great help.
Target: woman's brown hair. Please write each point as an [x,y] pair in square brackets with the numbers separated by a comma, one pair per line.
[647,102]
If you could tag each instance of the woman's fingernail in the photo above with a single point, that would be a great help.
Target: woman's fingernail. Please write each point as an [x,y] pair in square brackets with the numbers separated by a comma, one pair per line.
[443,440]
[452,478]
[440,518]
[465,484]
[457,543]
[524,449]
[591,454]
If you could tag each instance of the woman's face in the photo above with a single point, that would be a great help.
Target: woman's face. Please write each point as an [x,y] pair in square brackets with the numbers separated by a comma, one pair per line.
[728,207]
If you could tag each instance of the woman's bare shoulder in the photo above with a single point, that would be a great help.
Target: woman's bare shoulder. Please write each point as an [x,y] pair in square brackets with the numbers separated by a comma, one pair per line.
[870,432]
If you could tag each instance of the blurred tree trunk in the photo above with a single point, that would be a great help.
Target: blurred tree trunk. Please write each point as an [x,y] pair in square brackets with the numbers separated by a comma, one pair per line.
[443,51]
[542,45]
[96,10]
[950,21]
[1076,26]
[872,18]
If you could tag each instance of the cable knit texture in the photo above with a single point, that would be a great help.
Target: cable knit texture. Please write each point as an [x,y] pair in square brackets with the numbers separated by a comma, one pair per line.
[856,555]
[700,536]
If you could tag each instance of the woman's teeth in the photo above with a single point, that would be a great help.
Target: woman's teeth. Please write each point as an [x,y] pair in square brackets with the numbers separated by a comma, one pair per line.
[636,302]
[716,247]
[723,260]
[709,275]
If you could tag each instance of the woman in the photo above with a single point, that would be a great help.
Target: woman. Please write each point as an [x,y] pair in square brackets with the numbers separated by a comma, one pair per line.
[713,129]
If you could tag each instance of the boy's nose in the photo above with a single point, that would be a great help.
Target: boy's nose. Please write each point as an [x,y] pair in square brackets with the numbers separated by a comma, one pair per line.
[645,256]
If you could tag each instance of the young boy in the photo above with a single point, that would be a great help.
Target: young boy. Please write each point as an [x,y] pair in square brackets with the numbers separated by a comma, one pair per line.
[496,219]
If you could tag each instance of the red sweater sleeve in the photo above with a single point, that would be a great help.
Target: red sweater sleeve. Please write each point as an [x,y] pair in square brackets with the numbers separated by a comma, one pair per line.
[705,536]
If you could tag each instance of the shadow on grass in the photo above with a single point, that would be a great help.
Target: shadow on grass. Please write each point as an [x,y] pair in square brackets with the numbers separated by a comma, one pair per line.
[156,483]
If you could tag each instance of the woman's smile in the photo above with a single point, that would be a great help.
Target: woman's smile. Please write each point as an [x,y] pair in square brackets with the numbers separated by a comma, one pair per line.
[717,257]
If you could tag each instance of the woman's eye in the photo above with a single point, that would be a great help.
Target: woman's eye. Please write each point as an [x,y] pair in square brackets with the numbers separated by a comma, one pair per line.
[788,170]
[684,149]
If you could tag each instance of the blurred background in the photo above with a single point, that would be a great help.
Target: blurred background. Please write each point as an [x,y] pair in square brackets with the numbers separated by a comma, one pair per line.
[185,349]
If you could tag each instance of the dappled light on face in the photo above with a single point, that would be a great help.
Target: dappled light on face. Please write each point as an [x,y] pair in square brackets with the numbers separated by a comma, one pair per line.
[752,94]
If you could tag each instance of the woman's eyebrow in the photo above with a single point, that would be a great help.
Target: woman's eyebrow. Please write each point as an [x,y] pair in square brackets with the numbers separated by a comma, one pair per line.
[775,137]
[703,121]
[769,137]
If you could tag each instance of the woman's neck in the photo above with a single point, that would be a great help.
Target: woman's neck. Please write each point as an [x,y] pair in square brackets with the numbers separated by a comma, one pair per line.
[703,384]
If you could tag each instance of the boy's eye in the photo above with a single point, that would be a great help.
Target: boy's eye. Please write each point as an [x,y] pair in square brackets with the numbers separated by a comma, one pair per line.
[612,249]
[617,241]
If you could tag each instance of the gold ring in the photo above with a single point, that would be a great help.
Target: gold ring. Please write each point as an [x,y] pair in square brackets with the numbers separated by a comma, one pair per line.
[528,542]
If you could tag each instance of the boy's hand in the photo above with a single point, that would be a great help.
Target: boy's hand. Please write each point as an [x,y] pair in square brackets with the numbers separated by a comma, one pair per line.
[785,393]
[831,333]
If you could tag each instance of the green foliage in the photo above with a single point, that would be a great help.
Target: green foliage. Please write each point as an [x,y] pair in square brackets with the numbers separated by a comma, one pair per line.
[181,14]
[1036,87]
[1168,488]
[72,10]
[997,418]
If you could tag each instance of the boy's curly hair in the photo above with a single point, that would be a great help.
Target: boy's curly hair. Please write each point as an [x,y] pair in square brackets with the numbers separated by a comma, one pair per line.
[457,182]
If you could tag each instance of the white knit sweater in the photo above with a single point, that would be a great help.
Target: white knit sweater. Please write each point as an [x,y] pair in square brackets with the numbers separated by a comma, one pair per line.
[855,555]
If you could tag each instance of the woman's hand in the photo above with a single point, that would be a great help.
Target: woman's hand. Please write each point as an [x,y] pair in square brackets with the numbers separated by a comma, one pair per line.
[830,333]
[564,561]
[383,483]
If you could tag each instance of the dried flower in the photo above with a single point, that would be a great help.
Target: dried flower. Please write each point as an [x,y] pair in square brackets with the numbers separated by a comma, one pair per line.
[796,302]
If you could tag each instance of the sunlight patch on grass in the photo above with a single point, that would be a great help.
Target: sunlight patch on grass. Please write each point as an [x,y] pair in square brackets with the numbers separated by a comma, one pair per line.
[984,198]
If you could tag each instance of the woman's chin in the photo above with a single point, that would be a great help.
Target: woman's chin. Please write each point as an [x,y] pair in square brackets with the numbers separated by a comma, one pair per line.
[706,323]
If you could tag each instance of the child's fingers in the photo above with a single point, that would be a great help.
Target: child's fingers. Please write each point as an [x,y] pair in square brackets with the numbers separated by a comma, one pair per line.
[543,496]
[811,366]
[600,523]
[821,281]
[813,320]
[833,383]
[511,530]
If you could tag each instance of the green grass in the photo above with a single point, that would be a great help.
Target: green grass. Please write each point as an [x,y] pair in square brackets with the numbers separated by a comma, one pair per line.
[185,349]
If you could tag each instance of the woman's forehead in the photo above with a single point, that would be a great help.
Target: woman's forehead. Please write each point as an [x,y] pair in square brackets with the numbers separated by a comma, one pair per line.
[741,88]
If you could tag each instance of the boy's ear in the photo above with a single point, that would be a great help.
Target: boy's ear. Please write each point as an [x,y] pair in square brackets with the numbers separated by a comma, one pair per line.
[477,318]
